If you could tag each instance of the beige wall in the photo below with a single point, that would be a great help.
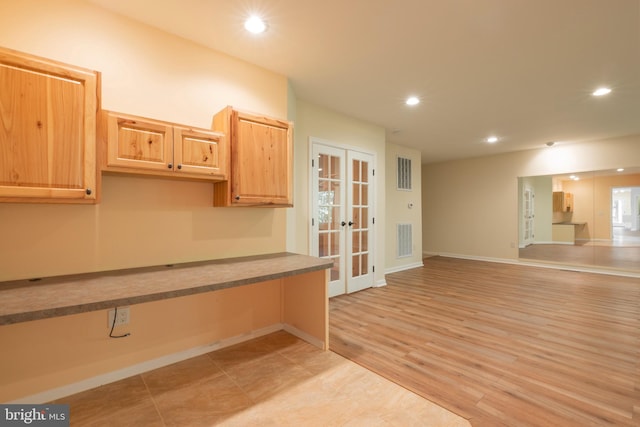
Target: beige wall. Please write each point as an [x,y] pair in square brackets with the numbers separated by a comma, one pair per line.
[315,121]
[470,207]
[398,210]
[140,221]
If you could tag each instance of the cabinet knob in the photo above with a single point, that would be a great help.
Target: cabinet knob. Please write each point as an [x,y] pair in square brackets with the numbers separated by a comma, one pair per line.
[170,166]
[351,223]
[179,166]
[88,191]
[343,223]
[237,197]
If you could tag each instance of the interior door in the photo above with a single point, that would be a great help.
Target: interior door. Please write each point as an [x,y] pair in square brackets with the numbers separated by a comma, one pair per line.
[528,215]
[328,205]
[341,223]
[359,221]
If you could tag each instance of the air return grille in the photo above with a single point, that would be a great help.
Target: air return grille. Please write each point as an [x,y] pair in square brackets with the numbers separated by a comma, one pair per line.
[405,245]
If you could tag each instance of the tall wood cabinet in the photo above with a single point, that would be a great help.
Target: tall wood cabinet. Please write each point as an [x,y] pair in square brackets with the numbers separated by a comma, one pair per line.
[139,145]
[261,160]
[47,130]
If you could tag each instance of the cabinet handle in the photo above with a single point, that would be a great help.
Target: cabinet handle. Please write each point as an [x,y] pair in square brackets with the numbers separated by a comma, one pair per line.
[88,191]
[179,166]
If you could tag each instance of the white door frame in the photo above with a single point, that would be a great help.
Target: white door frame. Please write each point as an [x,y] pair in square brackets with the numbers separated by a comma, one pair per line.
[313,247]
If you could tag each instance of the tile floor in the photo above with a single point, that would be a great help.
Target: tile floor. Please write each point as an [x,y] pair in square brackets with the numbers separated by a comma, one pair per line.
[275,380]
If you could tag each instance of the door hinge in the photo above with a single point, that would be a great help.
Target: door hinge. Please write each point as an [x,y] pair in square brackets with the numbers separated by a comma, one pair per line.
[374,220]
[313,222]
[313,163]
[374,172]
[374,268]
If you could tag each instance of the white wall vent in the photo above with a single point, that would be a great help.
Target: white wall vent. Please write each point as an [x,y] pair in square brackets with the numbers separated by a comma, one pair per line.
[405,244]
[404,173]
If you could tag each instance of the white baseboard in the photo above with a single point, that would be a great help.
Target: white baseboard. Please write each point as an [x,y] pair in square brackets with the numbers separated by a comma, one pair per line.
[149,365]
[473,257]
[380,283]
[584,269]
[403,267]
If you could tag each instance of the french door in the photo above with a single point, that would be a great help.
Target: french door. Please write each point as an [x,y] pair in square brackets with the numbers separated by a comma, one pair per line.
[528,212]
[342,215]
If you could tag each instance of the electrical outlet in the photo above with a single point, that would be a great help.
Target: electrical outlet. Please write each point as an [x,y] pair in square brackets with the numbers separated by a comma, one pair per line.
[123,316]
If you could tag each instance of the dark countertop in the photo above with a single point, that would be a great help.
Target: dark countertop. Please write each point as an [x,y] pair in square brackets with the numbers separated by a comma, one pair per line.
[25,300]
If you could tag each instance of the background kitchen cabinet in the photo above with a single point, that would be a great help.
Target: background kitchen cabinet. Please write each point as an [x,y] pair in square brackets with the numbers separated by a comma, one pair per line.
[261,160]
[47,130]
[562,202]
[140,145]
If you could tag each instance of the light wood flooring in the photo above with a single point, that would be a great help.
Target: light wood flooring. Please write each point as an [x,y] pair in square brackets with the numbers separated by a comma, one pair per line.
[273,381]
[501,344]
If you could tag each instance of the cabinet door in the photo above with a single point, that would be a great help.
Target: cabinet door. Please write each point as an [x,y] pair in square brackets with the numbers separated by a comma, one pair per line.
[135,142]
[261,161]
[47,130]
[199,151]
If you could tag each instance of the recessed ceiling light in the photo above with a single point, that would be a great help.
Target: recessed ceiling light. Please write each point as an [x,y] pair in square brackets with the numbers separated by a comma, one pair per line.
[254,24]
[601,91]
[550,143]
[413,100]
[492,139]
[620,169]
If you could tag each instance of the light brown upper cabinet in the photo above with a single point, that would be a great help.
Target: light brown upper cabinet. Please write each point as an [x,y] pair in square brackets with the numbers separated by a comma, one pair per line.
[261,160]
[562,202]
[139,145]
[47,130]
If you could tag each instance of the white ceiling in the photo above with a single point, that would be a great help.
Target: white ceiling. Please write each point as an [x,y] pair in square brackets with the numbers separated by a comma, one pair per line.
[523,70]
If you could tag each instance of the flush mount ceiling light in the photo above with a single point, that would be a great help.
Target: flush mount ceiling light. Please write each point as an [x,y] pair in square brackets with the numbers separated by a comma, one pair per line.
[620,170]
[550,143]
[255,25]
[601,91]
[412,100]
[492,139]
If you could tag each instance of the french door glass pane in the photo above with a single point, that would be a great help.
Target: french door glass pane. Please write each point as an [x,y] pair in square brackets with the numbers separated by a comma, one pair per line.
[356,241]
[355,268]
[335,270]
[329,211]
[323,246]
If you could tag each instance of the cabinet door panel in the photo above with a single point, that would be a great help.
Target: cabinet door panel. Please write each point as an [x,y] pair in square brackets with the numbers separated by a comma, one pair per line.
[262,169]
[200,152]
[142,144]
[47,130]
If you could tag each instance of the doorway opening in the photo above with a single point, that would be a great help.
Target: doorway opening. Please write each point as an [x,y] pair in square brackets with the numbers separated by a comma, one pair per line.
[625,216]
